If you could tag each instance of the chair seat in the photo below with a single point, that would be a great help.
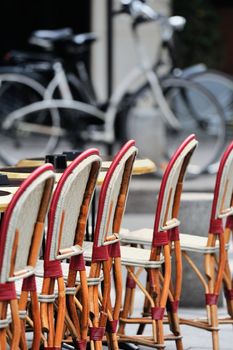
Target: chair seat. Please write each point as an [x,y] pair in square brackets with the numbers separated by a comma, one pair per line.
[129,256]
[196,244]
[142,236]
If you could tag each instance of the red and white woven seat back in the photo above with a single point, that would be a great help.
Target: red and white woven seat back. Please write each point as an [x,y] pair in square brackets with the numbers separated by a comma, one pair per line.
[222,203]
[20,222]
[112,194]
[171,186]
[69,201]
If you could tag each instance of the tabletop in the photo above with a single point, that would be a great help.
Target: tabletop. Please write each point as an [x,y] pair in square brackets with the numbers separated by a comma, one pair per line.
[17,174]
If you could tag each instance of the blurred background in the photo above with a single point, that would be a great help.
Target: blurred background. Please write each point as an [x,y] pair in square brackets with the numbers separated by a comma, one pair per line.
[207,37]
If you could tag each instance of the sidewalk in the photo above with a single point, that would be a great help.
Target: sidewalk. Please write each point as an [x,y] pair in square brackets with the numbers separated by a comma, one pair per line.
[194,338]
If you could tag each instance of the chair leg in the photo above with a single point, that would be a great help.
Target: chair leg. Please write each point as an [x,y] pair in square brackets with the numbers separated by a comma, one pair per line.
[22,307]
[146,309]
[47,312]
[130,285]
[60,313]
[228,289]
[214,324]
[71,307]
[36,320]
[115,311]
[85,304]
[16,324]
[3,313]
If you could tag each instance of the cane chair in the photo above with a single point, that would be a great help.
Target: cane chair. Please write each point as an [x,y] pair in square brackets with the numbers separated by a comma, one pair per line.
[227,275]
[214,249]
[104,252]
[20,240]
[66,230]
[166,230]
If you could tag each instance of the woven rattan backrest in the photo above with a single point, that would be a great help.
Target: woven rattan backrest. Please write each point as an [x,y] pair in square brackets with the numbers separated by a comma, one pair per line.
[171,187]
[113,194]
[222,202]
[23,224]
[70,206]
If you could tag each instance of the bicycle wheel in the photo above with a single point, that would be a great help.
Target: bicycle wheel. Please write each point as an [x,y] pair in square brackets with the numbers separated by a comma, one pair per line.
[221,86]
[21,139]
[196,110]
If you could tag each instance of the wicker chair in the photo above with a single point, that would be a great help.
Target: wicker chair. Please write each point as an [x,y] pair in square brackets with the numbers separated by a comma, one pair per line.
[20,240]
[214,250]
[104,252]
[163,238]
[66,230]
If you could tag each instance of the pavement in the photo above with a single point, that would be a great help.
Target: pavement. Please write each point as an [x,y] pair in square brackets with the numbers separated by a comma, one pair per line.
[194,338]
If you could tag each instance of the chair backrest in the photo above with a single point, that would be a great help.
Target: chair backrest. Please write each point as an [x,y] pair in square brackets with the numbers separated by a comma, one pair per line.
[113,197]
[166,217]
[70,206]
[23,224]
[223,202]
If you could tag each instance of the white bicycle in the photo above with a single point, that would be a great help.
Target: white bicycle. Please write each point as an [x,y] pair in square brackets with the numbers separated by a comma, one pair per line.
[65,106]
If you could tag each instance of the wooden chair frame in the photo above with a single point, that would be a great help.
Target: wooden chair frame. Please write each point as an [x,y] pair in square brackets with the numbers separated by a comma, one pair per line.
[34,195]
[106,249]
[216,265]
[165,239]
[61,245]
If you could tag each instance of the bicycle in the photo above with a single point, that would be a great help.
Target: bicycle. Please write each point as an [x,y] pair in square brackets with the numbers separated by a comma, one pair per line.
[172,96]
[218,83]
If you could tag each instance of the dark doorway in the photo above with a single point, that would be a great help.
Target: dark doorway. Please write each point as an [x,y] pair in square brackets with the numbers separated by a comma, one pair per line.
[19,18]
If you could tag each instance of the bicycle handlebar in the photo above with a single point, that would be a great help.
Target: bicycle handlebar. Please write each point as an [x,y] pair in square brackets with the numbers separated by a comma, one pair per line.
[142,12]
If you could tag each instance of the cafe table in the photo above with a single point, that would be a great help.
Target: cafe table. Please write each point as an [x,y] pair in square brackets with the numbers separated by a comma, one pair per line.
[17,174]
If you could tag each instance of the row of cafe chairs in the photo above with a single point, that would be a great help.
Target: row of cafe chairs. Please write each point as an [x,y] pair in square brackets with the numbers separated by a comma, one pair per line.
[66,296]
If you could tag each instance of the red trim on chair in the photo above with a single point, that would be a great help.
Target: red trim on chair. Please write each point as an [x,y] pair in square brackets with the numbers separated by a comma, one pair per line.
[7,291]
[229,222]
[80,344]
[130,283]
[105,185]
[29,284]
[157,313]
[52,348]
[216,226]
[97,333]
[218,178]
[160,239]
[56,196]
[228,294]
[114,250]
[164,183]
[52,268]
[173,306]
[211,299]
[112,326]
[7,215]
[174,234]
[77,263]
[100,253]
